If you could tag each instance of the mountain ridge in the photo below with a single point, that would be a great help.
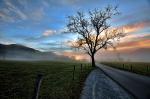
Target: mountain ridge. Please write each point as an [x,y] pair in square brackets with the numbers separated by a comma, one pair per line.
[21,52]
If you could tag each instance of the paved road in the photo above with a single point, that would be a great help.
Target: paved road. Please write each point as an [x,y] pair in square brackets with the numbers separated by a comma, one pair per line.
[100,86]
[138,85]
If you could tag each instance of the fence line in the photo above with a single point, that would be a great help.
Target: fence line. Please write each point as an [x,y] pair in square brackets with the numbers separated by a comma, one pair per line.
[40,77]
[130,67]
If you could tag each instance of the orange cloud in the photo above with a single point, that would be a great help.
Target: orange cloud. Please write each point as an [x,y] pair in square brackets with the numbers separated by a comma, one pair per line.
[135,37]
[145,43]
[134,44]
[135,27]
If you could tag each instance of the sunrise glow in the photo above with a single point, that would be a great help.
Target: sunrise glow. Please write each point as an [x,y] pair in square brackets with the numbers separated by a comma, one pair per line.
[41,24]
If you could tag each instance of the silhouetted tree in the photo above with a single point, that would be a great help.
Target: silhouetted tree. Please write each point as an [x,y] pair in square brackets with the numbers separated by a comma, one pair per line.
[94,32]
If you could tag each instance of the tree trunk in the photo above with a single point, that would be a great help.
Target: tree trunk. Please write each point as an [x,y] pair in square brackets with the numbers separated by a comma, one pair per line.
[93,60]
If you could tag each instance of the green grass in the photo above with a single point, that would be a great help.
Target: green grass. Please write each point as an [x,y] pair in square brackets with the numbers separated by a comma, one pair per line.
[136,67]
[17,79]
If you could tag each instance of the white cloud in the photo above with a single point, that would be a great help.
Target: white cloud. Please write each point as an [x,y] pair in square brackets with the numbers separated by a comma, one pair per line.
[16,10]
[38,14]
[63,30]
[23,2]
[45,3]
[6,18]
[49,33]
[6,41]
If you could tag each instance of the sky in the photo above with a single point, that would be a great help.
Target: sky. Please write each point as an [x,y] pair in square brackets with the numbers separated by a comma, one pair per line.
[40,24]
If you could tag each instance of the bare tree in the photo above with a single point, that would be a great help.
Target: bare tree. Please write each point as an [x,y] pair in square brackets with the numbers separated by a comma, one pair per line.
[94,32]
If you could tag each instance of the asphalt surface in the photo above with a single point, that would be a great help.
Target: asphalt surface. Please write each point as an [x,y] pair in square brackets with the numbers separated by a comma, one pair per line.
[100,86]
[137,85]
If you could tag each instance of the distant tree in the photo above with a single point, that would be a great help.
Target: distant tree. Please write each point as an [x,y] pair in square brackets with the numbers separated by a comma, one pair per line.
[94,31]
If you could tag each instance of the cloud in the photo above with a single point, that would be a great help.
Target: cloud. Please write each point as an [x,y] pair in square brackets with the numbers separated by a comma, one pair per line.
[76,4]
[38,14]
[6,18]
[49,33]
[133,51]
[44,36]
[24,3]
[136,14]
[79,2]
[134,45]
[11,13]
[6,41]
[16,10]
[45,3]
[135,37]
[34,39]
[70,1]
[21,10]
[52,46]
[136,26]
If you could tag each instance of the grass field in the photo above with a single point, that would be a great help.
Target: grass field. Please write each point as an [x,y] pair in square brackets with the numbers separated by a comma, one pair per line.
[17,79]
[136,67]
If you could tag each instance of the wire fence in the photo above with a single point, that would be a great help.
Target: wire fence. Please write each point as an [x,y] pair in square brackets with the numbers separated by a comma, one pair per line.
[141,68]
[83,72]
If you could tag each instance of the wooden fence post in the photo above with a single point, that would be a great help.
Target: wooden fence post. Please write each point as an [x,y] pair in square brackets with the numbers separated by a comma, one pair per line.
[123,66]
[147,68]
[37,86]
[131,68]
[73,71]
[81,67]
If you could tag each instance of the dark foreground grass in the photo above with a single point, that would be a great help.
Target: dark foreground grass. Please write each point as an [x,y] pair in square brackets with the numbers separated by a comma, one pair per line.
[17,79]
[136,67]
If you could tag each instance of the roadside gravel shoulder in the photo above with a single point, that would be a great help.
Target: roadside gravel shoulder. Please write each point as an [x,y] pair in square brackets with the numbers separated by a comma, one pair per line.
[99,86]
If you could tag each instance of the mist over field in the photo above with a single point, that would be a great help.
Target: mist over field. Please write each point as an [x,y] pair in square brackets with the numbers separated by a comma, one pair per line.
[133,55]
[22,53]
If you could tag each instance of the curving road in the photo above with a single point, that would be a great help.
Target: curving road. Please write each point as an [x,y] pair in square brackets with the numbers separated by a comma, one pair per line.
[100,86]
[137,85]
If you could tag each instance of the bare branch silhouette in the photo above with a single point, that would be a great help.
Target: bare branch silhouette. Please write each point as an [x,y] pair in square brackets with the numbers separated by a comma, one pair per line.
[94,31]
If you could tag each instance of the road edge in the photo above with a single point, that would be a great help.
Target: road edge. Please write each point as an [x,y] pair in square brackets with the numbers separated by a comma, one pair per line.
[128,91]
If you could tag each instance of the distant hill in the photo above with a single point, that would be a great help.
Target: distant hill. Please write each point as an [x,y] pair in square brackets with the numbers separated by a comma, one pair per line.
[20,52]
[14,47]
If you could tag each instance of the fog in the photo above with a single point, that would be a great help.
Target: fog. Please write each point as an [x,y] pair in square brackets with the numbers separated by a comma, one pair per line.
[130,55]
[15,52]
[26,56]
